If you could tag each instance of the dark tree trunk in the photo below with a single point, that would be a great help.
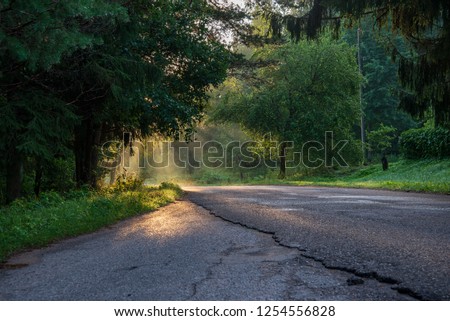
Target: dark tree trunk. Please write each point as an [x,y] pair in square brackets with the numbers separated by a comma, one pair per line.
[82,153]
[38,177]
[384,163]
[87,138]
[94,160]
[14,175]
[238,164]
[282,174]
[190,160]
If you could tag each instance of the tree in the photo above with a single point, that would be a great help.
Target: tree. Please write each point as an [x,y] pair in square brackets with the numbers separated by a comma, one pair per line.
[307,90]
[381,89]
[34,37]
[77,73]
[380,140]
[152,78]
[424,24]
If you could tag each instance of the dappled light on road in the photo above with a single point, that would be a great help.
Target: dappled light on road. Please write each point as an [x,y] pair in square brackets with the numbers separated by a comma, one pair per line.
[160,227]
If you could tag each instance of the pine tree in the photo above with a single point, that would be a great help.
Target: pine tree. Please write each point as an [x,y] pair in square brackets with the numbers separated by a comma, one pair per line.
[34,37]
[381,90]
[74,74]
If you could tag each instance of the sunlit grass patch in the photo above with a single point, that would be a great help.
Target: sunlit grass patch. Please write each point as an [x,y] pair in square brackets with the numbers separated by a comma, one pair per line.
[36,223]
[431,175]
[421,176]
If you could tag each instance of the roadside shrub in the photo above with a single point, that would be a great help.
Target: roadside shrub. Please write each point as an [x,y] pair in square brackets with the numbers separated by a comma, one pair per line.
[171,186]
[59,175]
[212,177]
[380,140]
[425,143]
[125,183]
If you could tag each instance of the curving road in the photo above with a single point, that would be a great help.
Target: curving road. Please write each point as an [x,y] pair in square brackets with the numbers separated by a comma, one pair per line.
[397,238]
[252,243]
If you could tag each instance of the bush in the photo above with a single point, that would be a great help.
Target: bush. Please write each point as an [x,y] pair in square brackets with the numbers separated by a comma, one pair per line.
[171,186]
[125,183]
[380,140]
[425,143]
[212,177]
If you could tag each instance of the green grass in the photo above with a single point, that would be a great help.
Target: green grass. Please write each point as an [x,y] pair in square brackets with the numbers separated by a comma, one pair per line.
[405,175]
[35,223]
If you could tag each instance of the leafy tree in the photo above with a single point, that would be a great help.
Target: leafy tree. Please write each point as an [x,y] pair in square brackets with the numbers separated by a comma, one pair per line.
[424,24]
[426,142]
[309,89]
[380,140]
[152,81]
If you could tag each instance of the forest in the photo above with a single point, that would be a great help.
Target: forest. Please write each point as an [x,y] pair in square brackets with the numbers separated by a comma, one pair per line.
[83,82]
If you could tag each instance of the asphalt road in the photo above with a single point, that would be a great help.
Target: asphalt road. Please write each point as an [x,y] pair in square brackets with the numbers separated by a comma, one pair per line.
[397,238]
[252,243]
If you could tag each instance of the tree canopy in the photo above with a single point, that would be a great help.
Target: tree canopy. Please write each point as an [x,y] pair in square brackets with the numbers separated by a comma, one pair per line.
[306,90]
[424,24]
[381,90]
[74,74]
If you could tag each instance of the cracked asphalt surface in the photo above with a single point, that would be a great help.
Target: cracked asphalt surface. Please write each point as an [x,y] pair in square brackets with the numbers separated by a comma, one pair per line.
[402,239]
[252,243]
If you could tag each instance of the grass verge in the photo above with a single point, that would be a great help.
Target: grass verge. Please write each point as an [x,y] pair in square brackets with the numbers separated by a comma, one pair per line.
[405,175]
[36,223]
[432,175]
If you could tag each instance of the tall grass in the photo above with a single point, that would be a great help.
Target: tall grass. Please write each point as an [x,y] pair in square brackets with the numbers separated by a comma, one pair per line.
[36,223]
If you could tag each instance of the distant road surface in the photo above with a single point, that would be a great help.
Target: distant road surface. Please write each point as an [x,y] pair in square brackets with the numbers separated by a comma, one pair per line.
[252,243]
[395,237]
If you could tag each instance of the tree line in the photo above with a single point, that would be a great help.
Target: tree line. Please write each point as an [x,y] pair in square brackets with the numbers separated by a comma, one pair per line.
[301,88]
[74,74]
[424,26]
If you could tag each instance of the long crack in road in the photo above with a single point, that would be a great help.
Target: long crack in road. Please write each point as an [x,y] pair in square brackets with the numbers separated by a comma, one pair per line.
[402,239]
[181,252]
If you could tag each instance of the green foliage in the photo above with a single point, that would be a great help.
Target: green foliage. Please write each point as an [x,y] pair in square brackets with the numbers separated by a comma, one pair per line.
[74,74]
[171,186]
[423,176]
[380,140]
[213,177]
[429,175]
[38,34]
[58,175]
[305,90]
[425,25]
[124,183]
[381,88]
[37,118]
[36,223]
[426,142]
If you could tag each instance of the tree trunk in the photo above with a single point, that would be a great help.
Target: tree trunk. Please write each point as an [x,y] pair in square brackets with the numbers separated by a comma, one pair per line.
[14,175]
[38,177]
[190,160]
[86,158]
[94,160]
[282,174]
[82,152]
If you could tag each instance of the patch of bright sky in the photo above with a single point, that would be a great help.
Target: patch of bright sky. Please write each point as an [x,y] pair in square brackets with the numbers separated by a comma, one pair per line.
[229,36]
[239,2]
